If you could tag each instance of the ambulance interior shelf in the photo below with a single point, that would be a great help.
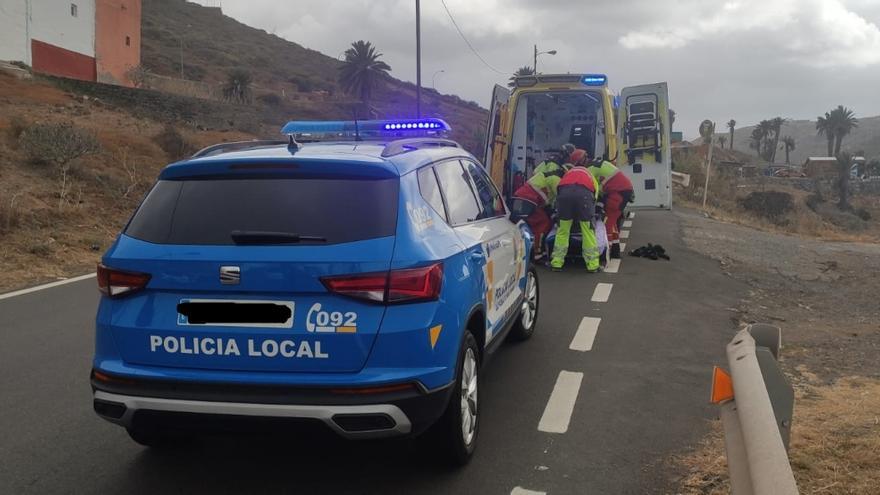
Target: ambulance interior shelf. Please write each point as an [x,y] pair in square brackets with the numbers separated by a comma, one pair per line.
[642,129]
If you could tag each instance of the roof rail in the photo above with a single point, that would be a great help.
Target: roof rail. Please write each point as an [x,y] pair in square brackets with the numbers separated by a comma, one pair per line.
[411,144]
[217,149]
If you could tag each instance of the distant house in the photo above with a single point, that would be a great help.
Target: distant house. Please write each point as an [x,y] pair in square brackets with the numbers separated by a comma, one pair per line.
[821,167]
[90,40]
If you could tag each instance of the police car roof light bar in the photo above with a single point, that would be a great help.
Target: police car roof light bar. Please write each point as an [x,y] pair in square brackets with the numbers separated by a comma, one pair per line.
[364,129]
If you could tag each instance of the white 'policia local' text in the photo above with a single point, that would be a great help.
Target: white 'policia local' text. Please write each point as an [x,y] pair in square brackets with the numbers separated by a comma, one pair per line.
[211,346]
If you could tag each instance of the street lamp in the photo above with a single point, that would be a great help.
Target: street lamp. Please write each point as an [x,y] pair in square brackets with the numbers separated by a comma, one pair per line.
[434,78]
[550,52]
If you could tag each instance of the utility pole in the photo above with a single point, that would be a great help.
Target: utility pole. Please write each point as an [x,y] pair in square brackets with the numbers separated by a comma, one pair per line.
[535,61]
[418,61]
[708,164]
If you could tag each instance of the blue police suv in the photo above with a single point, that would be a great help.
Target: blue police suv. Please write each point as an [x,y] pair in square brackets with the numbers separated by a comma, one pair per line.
[356,275]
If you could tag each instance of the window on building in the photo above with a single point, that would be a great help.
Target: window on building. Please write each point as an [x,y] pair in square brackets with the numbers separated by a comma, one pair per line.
[74,10]
[128,41]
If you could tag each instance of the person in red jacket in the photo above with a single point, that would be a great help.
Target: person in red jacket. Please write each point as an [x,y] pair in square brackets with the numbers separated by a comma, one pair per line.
[536,197]
[616,191]
[576,200]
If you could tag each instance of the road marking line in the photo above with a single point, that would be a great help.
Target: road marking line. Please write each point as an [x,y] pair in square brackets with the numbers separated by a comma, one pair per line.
[624,234]
[523,491]
[627,224]
[602,292]
[586,334]
[632,214]
[622,247]
[46,286]
[559,408]
[613,265]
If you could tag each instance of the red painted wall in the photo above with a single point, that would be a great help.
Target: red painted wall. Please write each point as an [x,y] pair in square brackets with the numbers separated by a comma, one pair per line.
[56,61]
[114,21]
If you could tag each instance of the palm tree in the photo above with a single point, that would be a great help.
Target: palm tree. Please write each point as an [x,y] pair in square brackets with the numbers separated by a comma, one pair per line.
[238,86]
[776,124]
[844,166]
[522,71]
[823,127]
[842,121]
[671,118]
[731,124]
[789,143]
[761,139]
[362,70]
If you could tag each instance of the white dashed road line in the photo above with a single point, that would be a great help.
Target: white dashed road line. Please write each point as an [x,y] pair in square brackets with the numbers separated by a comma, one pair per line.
[46,286]
[627,224]
[585,335]
[559,408]
[523,491]
[622,247]
[602,292]
[624,234]
[632,214]
[612,266]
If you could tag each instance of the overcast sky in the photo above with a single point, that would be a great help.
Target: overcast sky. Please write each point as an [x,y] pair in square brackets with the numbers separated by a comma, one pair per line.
[723,59]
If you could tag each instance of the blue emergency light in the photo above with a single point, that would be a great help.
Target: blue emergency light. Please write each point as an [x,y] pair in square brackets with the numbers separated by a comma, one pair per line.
[364,129]
[595,79]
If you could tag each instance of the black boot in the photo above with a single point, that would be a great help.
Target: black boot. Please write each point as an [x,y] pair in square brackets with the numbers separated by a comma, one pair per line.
[615,251]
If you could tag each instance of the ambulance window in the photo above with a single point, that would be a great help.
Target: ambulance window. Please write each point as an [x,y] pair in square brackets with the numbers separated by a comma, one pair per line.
[460,199]
[431,190]
[492,205]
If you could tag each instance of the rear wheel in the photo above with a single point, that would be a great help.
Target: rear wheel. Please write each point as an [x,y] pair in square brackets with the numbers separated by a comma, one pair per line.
[457,430]
[524,326]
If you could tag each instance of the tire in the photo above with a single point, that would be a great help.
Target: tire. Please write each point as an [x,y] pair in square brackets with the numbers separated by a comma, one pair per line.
[456,432]
[153,438]
[525,323]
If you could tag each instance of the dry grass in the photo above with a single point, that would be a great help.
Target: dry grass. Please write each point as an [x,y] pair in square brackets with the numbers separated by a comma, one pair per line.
[835,447]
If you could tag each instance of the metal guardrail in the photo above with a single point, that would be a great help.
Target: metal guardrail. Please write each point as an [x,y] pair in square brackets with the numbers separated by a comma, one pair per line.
[756,413]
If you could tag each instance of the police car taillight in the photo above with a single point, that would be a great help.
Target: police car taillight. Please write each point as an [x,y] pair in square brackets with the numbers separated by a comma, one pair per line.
[114,282]
[396,286]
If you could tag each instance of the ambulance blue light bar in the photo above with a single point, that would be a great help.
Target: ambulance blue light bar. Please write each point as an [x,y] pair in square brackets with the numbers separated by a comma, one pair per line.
[595,79]
[363,129]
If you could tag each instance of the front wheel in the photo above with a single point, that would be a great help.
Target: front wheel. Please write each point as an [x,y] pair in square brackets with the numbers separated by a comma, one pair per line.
[524,326]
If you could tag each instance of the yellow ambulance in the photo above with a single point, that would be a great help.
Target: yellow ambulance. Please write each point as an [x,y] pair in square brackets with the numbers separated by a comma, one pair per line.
[531,122]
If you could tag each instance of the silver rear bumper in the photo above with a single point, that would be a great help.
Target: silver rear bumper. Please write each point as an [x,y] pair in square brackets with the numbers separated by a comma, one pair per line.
[401,426]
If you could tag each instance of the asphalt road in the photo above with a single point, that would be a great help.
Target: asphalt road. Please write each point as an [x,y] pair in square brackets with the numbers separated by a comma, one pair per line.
[600,413]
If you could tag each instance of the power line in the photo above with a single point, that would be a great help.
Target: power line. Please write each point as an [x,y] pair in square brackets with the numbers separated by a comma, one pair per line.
[468,42]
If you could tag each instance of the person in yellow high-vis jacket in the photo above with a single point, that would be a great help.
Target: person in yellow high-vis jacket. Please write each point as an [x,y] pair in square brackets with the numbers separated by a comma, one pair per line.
[576,201]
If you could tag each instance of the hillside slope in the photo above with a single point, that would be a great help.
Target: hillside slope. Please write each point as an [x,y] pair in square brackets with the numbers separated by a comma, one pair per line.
[214,44]
[866,137]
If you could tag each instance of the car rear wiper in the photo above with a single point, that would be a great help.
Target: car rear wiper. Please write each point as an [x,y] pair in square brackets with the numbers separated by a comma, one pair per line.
[265,237]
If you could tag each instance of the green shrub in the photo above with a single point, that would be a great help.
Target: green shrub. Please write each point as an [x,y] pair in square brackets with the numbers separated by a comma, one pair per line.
[772,205]
[57,144]
[173,143]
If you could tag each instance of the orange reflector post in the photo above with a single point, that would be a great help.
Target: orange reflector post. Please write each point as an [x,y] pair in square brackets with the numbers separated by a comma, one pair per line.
[722,386]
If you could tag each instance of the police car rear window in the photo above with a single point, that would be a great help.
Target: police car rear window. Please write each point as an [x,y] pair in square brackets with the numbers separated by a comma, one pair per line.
[320,211]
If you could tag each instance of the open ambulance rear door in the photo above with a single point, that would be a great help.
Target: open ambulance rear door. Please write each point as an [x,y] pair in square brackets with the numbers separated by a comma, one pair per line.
[643,144]
[495,154]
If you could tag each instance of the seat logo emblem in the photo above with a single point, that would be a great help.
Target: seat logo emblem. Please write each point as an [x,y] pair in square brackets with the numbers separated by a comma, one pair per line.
[230,275]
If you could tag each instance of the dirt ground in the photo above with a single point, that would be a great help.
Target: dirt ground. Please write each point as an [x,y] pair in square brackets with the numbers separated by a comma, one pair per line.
[45,241]
[824,296]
